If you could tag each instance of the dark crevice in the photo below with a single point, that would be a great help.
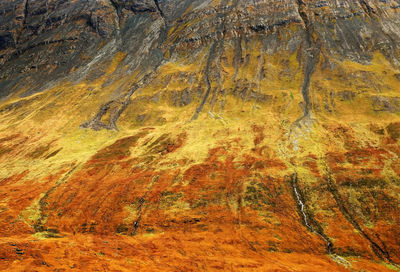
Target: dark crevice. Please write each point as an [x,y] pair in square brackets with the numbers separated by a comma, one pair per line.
[26,11]
[139,216]
[20,31]
[214,53]
[100,202]
[312,52]
[96,122]
[217,69]
[38,226]
[20,51]
[116,107]
[141,207]
[237,59]
[118,11]
[211,56]
[307,218]
[159,9]
[379,250]
[367,8]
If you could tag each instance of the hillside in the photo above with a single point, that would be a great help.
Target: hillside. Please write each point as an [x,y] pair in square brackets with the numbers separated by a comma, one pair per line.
[199,135]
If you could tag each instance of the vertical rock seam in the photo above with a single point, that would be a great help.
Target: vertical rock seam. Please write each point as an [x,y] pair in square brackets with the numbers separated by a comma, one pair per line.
[116,107]
[118,11]
[211,56]
[311,52]
[137,221]
[380,251]
[310,223]
[217,45]
[159,9]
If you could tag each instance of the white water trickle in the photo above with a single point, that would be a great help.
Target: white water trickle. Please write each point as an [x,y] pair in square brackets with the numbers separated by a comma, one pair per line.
[306,221]
[302,208]
[295,147]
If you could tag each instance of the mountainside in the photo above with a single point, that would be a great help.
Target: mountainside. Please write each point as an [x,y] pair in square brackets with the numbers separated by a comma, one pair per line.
[199,135]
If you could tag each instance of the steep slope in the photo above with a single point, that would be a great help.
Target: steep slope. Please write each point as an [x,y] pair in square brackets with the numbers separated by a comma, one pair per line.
[200,135]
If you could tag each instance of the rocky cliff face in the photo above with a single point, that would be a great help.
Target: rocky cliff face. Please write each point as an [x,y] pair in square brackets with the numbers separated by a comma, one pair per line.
[196,135]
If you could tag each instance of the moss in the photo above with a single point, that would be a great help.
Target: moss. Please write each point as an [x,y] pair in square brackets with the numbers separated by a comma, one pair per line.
[32,213]
[391,266]
[5,150]
[393,130]
[166,144]
[52,154]
[46,235]
[150,230]
[199,203]
[120,149]
[169,198]
[258,196]
[365,182]
[39,152]
[122,228]
[348,252]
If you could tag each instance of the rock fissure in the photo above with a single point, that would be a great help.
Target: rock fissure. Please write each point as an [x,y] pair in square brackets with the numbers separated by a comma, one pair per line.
[116,107]
[26,12]
[141,205]
[156,2]
[207,80]
[310,58]
[43,203]
[214,55]
[310,223]
[20,51]
[380,251]
[118,11]
[367,7]
[139,217]
[237,55]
